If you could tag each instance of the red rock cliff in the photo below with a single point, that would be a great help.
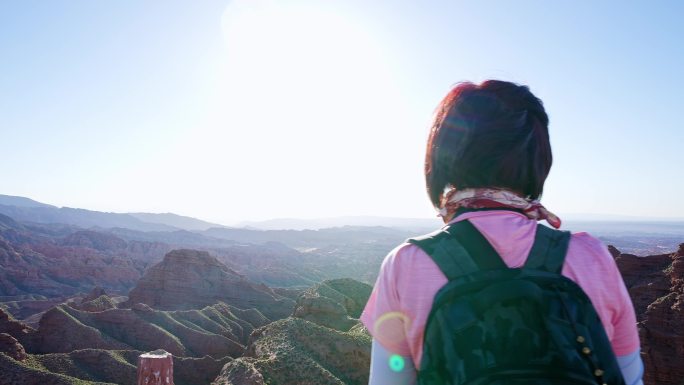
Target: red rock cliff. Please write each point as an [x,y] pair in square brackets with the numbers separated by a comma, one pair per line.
[656,285]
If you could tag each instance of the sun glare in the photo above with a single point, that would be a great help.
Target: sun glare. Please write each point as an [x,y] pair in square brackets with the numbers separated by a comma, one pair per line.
[305,96]
[304,66]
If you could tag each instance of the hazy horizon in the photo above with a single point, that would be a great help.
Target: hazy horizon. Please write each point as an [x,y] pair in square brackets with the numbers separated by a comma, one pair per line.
[372,220]
[243,110]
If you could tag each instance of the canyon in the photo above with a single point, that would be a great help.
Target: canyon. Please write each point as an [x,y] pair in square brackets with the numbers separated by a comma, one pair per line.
[79,304]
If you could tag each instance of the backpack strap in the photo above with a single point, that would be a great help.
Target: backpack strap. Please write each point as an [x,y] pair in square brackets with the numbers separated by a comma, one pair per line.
[447,253]
[453,247]
[549,249]
[479,248]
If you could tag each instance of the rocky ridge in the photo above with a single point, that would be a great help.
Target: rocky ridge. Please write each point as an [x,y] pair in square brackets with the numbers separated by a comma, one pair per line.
[10,346]
[217,330]
[335,303]
[96,366]
[42,266]
[78,346]
[322,343]
[662,329]
[294,351]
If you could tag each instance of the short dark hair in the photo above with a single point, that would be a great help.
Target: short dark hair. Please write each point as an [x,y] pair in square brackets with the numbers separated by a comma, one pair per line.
[490,135]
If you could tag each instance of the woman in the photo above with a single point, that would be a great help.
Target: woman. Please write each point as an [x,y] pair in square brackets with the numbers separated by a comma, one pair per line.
[488,157]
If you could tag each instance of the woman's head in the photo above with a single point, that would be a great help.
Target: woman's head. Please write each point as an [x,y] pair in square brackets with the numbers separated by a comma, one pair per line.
[494,134]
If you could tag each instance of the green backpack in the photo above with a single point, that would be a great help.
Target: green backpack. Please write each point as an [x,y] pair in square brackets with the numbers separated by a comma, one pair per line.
[491,324]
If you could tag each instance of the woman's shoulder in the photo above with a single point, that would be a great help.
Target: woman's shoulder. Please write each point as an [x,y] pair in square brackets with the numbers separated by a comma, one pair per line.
[584,251]
[589,262]
[408,263]
[585,244]
[403,255]
[585,239]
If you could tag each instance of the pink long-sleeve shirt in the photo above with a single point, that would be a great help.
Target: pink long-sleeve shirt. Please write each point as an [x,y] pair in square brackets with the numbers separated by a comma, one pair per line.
[400,302]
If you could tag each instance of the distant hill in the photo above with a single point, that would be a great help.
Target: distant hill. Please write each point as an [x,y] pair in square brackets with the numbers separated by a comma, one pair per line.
[9,200]
[79,217]
[295,232]
[175,220]
[602,223]
[27,210]
[627,228]
[302,238]
[412,224]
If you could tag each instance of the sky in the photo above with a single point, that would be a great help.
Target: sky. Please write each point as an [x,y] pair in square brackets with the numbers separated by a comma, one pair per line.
[255,109]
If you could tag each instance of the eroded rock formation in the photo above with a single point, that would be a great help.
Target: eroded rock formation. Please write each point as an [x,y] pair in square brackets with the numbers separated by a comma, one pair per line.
[323,343]
[644,278]
[192,279]
[22,332]
[99,367]
[656,285]
[45,267]
[662,329]
[98,304]
[335,303]
[294,351]
[215,331]
[241,372]
[155,368]
[10,346]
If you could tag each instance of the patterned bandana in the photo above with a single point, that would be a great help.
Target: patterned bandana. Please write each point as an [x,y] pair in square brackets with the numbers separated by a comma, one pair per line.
[480,198]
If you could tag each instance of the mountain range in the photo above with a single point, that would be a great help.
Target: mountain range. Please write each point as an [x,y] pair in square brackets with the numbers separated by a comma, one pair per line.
[26,209]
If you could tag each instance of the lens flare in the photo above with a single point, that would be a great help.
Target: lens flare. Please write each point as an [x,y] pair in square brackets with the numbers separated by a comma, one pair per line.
[396,362]
[390,318]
